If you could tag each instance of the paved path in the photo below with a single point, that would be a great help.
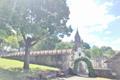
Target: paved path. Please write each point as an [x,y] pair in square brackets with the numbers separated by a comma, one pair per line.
[82,78]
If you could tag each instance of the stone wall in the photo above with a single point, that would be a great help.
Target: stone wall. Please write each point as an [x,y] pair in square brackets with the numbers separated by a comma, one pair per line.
[60,61]
[106,73]
[115,67]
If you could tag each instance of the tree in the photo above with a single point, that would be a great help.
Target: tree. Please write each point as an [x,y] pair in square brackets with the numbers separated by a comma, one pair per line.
[64,45]
[35,20]
[88,52]
[86,45]
[96,52]
[47,44]
[99,52]
[107,51]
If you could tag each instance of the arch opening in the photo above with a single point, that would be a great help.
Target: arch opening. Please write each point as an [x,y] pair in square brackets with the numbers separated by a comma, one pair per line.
[91,72]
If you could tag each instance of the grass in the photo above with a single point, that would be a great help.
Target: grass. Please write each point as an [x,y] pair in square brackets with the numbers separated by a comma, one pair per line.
[7,64]
[12,69]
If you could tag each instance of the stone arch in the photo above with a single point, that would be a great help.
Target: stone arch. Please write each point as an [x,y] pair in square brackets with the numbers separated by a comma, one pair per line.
[91,71]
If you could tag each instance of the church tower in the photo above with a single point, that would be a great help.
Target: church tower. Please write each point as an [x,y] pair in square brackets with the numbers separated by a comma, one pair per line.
[77,41]
[77,46]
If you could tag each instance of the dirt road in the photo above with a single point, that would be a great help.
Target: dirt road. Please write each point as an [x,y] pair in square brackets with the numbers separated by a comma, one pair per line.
[82,78]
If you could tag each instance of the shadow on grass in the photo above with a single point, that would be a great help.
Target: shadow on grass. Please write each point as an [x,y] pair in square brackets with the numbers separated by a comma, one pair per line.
[14,74]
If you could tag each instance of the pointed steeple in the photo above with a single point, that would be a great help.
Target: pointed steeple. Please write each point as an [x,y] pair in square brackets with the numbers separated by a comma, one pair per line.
[77,37]
[78,41]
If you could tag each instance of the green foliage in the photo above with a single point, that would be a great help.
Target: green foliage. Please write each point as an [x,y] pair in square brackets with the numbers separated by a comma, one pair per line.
[96,52]
[9,37]
[103,51]
[86,45]
[42,19]
[47,44]
[107,51]
[12,41]
[88,52]
[64,45]
[89,66]
[46,16]
[99,52]
[35,20]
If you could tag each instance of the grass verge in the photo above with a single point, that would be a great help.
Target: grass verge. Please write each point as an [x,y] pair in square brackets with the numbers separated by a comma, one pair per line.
[12,69]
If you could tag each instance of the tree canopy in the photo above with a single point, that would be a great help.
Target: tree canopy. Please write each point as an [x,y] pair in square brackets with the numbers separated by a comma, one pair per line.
[95,51]
[35,17]
[34,20]
[65,45]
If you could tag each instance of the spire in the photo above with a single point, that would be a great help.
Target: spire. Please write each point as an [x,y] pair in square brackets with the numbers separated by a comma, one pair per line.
[78,41]
[77,37]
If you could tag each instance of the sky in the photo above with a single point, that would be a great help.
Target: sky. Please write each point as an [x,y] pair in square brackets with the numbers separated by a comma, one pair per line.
[98,22]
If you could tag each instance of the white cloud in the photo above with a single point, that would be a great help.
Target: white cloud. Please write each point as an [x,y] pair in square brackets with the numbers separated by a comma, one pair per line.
[108,32]
[88,14]
[89,17]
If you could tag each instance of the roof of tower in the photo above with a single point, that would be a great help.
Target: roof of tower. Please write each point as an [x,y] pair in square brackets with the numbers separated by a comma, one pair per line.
[77,37]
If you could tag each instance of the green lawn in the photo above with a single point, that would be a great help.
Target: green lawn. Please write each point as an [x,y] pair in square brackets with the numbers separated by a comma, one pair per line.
[12,69]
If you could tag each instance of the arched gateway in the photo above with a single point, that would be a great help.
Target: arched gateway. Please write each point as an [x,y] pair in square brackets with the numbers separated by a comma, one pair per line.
[91,71]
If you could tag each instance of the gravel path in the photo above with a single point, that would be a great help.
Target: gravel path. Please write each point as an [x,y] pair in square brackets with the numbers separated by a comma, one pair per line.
[82,78]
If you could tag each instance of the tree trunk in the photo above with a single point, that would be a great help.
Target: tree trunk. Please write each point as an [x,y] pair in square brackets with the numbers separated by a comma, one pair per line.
[26,57]
[28,44]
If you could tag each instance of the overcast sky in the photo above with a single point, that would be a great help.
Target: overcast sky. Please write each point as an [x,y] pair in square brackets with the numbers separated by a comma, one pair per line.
[98,21]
